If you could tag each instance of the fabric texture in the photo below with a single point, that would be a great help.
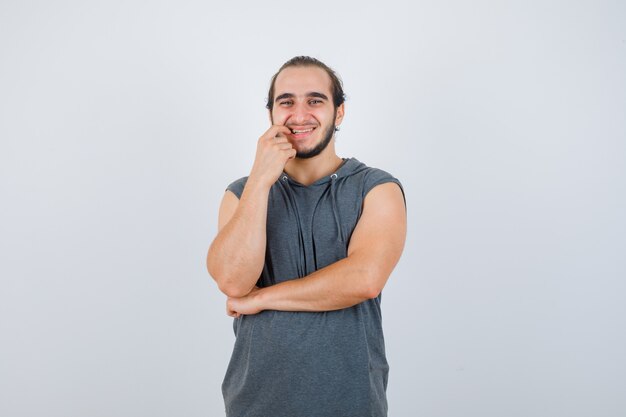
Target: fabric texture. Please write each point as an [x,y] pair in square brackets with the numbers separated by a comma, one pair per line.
[310,364]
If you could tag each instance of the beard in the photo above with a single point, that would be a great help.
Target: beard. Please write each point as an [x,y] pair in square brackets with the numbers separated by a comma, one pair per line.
[317,149]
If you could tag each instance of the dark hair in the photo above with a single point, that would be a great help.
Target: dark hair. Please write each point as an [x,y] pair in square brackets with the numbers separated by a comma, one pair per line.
[336,86]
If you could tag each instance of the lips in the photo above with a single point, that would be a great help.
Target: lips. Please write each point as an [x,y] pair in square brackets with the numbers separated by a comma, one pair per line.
[304,129]
[299,132]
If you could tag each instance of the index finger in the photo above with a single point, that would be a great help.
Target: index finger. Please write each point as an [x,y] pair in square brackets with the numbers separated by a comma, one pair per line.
[275,130]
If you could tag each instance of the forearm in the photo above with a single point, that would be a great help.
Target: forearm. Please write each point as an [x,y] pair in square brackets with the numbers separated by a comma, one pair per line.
[340,285]
[375,248]
[236,256]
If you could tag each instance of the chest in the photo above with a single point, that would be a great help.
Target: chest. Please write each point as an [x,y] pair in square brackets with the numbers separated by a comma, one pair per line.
[313,223]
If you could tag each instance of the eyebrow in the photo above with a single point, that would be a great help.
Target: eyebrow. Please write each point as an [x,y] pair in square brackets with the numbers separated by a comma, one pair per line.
[311,94]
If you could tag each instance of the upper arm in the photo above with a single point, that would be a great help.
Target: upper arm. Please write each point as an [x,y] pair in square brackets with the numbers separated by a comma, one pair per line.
[227,209]
[379,236]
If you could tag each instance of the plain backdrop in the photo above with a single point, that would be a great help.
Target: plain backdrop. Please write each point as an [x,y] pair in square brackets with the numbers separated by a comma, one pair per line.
[121,123]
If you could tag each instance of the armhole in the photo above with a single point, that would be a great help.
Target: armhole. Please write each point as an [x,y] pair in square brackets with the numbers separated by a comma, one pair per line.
[228,190]
[236,187]
[381,181]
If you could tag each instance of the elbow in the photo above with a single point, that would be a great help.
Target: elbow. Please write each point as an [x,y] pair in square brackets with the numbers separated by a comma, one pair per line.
[373,284]
[212,268]
[230,281]
[369,274]
[374,279]
[372,292]
[233,291]
[228,285]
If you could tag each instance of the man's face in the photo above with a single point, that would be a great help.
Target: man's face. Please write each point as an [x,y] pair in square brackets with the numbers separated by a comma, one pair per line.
[303,103]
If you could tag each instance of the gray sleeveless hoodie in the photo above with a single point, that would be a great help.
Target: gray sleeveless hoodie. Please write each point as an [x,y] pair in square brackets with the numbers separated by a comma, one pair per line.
[310,364]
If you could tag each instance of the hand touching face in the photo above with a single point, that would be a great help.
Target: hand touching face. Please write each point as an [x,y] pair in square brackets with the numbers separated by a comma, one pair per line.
[303,103]
[273,152]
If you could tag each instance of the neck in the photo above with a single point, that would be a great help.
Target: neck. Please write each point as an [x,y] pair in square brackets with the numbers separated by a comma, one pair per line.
[307,171]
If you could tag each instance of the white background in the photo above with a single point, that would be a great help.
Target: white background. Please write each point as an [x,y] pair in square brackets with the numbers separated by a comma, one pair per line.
[121,123]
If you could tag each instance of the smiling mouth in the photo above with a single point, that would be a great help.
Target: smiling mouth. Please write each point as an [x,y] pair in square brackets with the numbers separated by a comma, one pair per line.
[301,131]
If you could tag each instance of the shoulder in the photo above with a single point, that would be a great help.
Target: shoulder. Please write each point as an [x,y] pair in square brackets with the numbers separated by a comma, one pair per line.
[371,177]
[236,187]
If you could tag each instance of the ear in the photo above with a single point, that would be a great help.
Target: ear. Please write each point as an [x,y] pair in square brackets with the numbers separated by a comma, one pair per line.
[340,113]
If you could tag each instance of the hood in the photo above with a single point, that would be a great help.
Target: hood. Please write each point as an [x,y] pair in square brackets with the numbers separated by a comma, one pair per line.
[350,166]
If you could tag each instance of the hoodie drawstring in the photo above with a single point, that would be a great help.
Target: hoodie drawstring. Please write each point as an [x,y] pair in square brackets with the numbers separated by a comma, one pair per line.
[331,191]
[333,202]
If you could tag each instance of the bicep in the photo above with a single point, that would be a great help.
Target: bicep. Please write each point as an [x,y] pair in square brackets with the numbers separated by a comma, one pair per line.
[380,234]
[227,209]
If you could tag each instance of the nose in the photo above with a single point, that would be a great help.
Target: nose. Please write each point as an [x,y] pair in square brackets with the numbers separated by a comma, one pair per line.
[300,113]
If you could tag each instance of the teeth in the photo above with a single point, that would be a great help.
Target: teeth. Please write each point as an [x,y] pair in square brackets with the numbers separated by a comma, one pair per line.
[302,131]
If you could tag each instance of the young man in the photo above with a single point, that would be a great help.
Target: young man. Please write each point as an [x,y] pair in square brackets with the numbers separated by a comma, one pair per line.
[305,246]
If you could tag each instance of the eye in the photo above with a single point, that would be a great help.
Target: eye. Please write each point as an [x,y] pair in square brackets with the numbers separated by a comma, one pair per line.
[315,101]
[286,103]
